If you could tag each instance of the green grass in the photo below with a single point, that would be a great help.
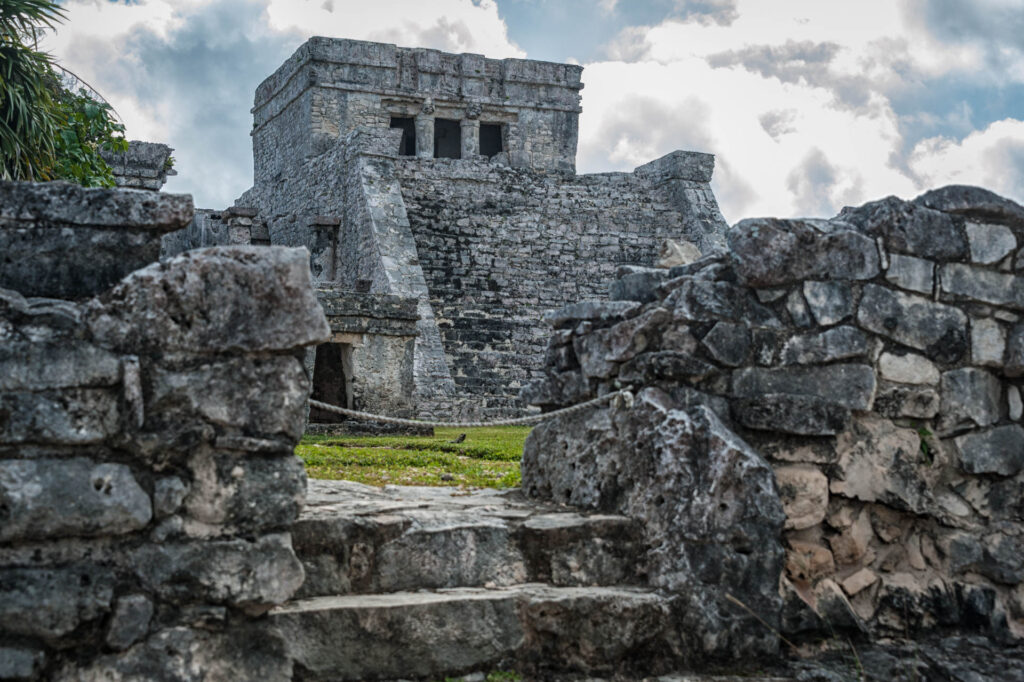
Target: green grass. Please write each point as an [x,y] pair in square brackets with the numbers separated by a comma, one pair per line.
[487,458]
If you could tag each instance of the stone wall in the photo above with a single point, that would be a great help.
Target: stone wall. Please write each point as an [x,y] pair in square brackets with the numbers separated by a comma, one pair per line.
[874,360]
[498,246]
[145,165]
[147,481]
[235,226]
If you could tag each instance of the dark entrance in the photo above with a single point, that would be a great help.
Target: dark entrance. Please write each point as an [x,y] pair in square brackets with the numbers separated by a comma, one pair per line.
[332,380]
[447,139]
[408,125]
[490,139]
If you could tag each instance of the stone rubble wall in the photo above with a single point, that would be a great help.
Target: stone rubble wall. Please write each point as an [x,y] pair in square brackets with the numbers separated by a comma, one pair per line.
[143,166]
[498,246]
[147,481]
[874,360]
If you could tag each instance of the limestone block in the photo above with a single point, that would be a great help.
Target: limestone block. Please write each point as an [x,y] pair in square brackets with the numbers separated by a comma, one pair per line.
[908,368]
[970,396]
[254,575]
[629,337]
[988,342]
[899,400]
[130,621]
[911,228]
[1015,407]
[700,300]
[996,556]
[51,602]
[857,582]
[244,494]
[974,203]
[1015,351]
[804,494]
[848,385]
[881,462]
[994,451]
[838,343]
[214,300]
[263,397]
[799,313]
[61,240]
[677,252]
[32,365]
[50,498]
[168,494]
[937,329]
[241,652]
[834,608]
[983,285]
[75,416]
[990,243]
[597,311]
[641,287]
[665,366]
[852,542]
[771,252]
[910,273]
[21,662]
[807,562]
[830,302]
[658,447]
[728,343]
[808,416]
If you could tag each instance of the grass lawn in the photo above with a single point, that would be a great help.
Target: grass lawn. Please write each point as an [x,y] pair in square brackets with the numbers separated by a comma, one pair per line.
[487,458]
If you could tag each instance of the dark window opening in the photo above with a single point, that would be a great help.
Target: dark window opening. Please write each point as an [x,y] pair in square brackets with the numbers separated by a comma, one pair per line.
[407,147]
[332,381]
[447,139]
[490,139]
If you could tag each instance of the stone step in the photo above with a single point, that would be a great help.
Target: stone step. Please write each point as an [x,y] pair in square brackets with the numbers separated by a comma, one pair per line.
[530,628]
[356,539]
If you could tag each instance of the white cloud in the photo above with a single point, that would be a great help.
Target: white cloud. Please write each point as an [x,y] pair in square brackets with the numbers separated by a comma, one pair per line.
[992,158]
[798,111]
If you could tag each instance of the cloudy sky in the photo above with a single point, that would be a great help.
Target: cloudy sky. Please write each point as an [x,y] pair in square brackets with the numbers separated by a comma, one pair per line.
[808,105]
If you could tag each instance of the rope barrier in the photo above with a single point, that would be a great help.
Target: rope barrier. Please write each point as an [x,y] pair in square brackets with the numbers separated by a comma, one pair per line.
[626,395]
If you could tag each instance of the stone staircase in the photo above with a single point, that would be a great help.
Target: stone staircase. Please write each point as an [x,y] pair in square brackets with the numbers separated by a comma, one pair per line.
[425,583]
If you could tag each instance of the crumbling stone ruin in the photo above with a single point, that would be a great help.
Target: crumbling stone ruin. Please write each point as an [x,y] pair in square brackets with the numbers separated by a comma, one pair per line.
[449,180]
[145,165]
[870,365]
[147,422]
[816,472]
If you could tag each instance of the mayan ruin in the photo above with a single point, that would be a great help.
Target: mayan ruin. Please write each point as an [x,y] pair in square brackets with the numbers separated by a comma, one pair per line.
[786,449]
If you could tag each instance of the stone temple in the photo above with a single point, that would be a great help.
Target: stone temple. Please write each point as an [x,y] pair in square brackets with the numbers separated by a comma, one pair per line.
[442,187]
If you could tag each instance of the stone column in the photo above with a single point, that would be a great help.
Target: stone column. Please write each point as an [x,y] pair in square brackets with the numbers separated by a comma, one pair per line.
[470,138]
[425,136]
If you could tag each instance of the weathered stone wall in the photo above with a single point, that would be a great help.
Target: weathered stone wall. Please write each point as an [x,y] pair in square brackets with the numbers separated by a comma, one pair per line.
[236,226]
[145,165]
[874,360]
[498,246]
[147,481]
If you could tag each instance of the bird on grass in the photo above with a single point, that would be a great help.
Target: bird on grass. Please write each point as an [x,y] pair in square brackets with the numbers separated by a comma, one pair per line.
[461,438]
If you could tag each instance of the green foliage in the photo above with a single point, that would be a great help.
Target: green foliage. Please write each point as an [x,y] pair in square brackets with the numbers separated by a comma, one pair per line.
[86,127]
[926,448]
[488,457]
[47,131]
[28,116]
